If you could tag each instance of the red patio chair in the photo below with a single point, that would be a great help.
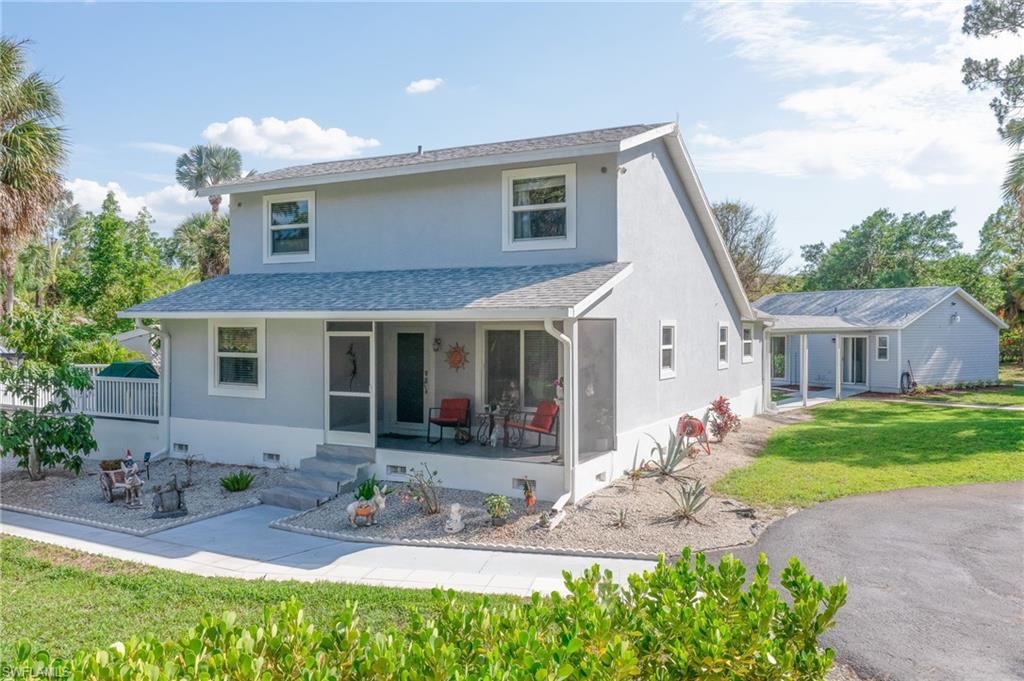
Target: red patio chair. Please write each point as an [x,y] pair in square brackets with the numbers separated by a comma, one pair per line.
[544,422]
[453,413]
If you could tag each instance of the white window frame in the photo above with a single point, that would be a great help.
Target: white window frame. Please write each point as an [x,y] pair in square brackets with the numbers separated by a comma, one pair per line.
[481,352]
[722,364]
[878,348]
[258,391]
[747,357]
[268,256]
[508,243]
[669,372]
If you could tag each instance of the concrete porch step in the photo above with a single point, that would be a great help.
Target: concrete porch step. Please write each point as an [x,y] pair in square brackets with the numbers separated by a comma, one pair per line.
[335,465]
[346,452]
[298,498]
[332,484]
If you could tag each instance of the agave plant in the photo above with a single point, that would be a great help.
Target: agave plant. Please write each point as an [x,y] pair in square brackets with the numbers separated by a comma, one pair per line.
[689,501]
[237,482]
[668,458]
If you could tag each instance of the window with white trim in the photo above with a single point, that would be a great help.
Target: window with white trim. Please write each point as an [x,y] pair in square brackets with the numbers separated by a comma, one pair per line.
[723,345]
[748,343]
[289,227]
[237,365]
[882,348]
[667,353]
[538,208]
[522,367]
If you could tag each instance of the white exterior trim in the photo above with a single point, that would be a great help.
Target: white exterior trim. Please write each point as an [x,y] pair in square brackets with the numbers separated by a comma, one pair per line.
[670,372]
[508,242]
[985,312]
[214,387]
[744,357]
[878,348]
[722,364]
[271,258]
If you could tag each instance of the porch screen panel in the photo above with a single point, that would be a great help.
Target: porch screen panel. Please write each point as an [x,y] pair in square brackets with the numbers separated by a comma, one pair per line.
[540,355]
[350,364]
[502,366]
[596,393]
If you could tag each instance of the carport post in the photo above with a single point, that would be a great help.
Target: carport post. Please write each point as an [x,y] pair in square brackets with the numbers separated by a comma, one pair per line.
[803,367]
[839,366]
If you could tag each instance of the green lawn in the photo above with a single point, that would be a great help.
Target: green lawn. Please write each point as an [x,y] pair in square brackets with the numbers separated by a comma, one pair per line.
[1011,373]
[861,446]
[999,396]
[64,600]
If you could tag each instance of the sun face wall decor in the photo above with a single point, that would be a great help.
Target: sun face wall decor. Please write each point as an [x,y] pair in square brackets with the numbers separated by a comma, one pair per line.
[457,357]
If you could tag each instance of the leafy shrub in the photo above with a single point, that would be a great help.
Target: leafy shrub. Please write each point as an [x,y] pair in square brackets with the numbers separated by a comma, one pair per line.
[688,620]
[423,488]
[237,482]
[497,506]
[689,501]
[365,490]
[1011,345]
[724,419]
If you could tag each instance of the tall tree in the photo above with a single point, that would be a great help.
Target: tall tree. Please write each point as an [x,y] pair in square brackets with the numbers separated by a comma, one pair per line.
[32,149]
[206,165]
[750,238]
[1001,252]
[203,239]
[989,18]
[882,251]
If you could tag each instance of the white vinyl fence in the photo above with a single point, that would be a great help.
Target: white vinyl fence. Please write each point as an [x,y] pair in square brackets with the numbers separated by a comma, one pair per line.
[127,398]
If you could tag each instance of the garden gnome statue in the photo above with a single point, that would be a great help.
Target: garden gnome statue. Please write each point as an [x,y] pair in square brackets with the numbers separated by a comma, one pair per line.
[454,522]
[132,481]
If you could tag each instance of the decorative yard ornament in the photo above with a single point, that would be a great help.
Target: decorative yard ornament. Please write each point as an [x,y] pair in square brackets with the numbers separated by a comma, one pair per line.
[366,510]
[169,500]
[132,482]
[457,356]
[454,523]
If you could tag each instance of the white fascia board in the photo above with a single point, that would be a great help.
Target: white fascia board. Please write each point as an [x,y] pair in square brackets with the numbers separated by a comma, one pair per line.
[489,314]
[972,301]
[702,207]
[426,167]
[580,308]
[652,134]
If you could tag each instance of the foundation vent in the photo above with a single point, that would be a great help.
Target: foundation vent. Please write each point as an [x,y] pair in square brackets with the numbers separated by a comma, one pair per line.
[517,484]
[180,448]
[271,457]
[397,470]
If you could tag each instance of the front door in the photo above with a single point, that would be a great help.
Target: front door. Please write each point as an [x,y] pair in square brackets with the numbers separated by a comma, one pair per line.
[854,359]
[349,408]
[412,379]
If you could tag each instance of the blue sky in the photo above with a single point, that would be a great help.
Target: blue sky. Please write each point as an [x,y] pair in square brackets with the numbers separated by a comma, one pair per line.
[817,113]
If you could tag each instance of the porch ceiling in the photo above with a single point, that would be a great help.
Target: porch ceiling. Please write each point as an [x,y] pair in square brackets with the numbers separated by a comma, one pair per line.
[531,292]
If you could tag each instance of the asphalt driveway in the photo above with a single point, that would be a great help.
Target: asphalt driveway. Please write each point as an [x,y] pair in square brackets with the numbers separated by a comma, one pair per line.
[936,578]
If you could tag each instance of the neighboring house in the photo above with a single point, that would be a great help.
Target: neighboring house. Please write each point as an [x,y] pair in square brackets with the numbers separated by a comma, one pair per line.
[870,339]
[593,257]
[138,341]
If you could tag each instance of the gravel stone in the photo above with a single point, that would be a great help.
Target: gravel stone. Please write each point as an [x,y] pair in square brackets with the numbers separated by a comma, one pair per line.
[80,497]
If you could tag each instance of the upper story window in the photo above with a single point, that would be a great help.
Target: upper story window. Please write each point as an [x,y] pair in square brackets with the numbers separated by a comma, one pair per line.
[539,208]
[723,345]
[237,361]
[882,348]
[668,349]
[289,227]
[748,343]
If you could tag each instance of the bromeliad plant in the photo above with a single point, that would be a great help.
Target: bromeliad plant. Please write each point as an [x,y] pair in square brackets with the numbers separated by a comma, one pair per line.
[364,492]
[237,482]
[684,620]
[724,420]
[47,432]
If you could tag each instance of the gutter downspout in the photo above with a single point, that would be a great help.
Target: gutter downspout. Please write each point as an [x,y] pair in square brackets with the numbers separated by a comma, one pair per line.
[569,431]
[165,384]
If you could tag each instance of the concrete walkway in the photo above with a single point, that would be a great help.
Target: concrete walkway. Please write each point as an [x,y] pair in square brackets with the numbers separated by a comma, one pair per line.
[956,405]
[240,544]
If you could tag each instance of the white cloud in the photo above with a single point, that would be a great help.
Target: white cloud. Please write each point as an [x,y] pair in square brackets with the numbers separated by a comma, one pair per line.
[869,103]
[169,205]
[300,139]
[418,87]
[159,147]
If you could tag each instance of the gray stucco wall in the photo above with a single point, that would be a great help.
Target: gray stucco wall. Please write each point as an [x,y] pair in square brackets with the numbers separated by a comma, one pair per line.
[941,351]
[676,277]
[432,220]
[295,378]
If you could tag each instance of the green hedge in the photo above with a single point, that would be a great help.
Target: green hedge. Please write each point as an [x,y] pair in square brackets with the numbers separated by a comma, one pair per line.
[688,620]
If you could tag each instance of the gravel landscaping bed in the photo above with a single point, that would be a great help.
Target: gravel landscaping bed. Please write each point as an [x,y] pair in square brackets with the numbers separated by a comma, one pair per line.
[591,525]
[78,498]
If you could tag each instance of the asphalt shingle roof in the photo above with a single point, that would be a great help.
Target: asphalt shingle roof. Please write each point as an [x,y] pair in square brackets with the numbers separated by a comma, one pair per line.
[866,308]
[353,165]
[537,286]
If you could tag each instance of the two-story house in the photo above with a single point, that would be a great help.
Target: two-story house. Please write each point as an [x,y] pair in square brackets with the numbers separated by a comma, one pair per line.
[578,280]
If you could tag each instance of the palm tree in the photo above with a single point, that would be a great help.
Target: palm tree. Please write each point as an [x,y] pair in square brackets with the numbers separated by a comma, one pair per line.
[204,237]
[1013,185]
[32,149]
[205,165]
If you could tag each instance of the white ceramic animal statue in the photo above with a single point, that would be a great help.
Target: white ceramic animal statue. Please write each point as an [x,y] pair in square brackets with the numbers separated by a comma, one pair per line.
[367,510]
[454,522]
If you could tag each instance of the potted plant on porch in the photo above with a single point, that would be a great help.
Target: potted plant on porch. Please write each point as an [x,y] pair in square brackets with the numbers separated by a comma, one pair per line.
[498,507]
